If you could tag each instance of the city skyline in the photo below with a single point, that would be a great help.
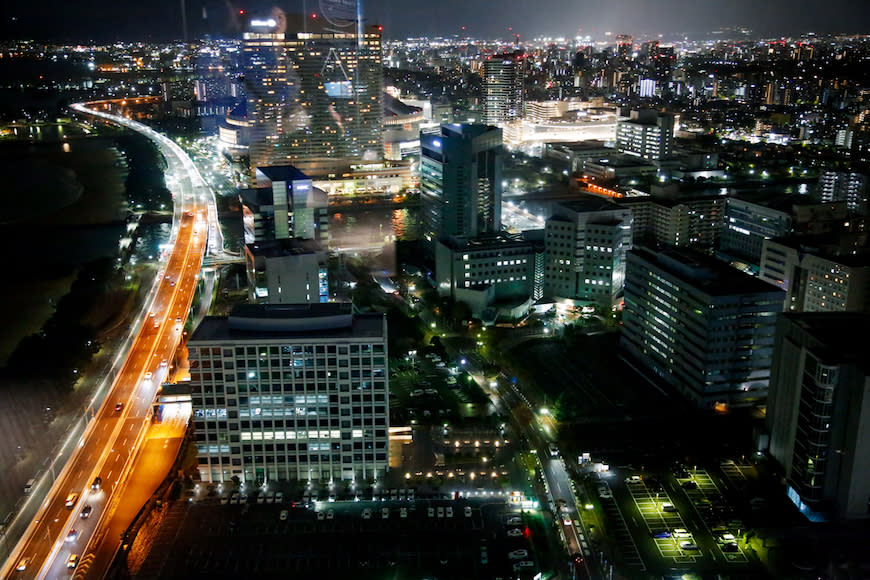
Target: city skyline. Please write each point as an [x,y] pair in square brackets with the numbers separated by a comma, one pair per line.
[670,19]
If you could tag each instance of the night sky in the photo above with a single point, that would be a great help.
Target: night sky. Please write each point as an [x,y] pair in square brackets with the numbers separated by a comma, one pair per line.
[80,20]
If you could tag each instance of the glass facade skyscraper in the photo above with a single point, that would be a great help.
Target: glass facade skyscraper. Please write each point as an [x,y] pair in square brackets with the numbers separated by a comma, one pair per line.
[313,93]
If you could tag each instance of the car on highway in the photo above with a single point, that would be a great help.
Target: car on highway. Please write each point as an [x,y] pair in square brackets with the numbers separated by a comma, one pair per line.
[97,483]
[72,536]
[71,500]
[86,512]
[566,519]
[72,561]
[148,375]
[119,406]
[22,564]
[518,554]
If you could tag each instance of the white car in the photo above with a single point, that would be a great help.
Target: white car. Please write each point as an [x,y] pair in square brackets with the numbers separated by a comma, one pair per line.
[523,564]
[468,511]
[518,554]
[367,514]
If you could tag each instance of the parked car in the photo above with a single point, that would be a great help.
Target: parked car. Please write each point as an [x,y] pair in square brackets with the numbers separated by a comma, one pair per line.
[518,554]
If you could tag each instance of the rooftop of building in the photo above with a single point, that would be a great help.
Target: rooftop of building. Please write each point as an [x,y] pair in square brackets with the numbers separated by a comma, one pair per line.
[282,173]
[324,321]
[775,200]
[586,203]
[621,161]
[848,248]
[284,247]
[466,130]
[580,146]
[485,241]
[677,199]
[704,272]
[836,331]
[393,107]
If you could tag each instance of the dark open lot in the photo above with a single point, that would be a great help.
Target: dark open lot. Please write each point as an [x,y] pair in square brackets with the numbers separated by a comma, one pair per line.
[212,540]
[606,407]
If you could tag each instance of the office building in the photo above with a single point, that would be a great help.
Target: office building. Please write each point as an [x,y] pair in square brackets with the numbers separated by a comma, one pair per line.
[287,271]
[624,47]
[489,270]
[752,218]
[460,181]
[503,78]
[585,243]
[295,392]
[314,92]
[818,413]
[646,133]
[678,220]
[747,224]
[701,326]
[284,205]
[820,273]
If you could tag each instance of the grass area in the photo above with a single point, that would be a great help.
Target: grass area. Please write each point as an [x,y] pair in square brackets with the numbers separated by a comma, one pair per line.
[26,307]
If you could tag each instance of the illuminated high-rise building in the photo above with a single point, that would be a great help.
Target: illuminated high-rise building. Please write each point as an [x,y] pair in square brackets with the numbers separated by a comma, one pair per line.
[503,77]
[291,391]
[818,413]
[314,92]
[700,325]
[460,181]
[624,46]
[646,133]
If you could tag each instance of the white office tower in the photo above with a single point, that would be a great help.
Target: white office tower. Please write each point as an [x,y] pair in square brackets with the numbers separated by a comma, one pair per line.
[296,391]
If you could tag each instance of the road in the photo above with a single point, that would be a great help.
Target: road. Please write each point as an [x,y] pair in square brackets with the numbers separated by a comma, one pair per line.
[539,433]
[114,436]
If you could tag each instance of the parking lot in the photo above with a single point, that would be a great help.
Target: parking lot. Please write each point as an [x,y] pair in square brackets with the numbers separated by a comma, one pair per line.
[463,538]
[675,519]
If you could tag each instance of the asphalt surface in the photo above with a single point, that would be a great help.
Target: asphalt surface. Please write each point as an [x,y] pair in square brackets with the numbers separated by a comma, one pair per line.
[113,437]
